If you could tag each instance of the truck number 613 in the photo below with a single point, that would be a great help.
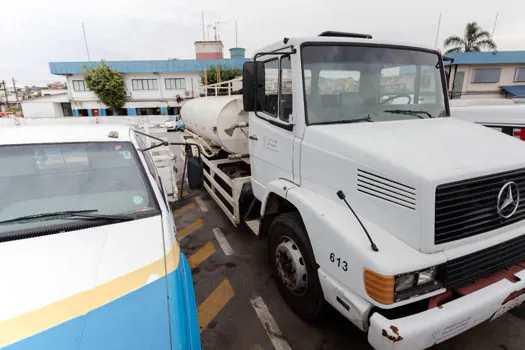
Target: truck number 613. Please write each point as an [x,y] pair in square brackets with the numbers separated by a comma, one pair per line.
[340,263]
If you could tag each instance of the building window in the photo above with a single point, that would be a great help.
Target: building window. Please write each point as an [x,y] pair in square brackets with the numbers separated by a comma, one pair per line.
[145,84]
[486,75]
[520,75]
[175,83]
[79,85]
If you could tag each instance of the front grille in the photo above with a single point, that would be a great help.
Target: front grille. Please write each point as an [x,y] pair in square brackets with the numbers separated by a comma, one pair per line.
[467,208]
[471,267]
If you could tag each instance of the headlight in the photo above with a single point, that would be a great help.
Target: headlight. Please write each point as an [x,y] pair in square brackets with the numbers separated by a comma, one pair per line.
[405,282]
[391,289]
[426,276]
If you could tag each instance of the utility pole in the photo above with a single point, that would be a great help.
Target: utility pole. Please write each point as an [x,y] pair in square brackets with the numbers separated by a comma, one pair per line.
[85,41]
[6,99]
[16,93]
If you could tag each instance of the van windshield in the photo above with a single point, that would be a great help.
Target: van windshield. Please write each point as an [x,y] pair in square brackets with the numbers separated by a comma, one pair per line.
[104,178]
[347,83]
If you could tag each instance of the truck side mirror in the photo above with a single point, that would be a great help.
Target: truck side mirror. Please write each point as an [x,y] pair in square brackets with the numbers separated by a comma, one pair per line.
[253,86]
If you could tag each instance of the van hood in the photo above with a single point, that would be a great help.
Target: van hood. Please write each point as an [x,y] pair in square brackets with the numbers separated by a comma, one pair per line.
[99,287]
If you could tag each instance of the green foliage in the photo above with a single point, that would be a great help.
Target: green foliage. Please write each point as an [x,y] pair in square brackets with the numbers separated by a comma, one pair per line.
[107,84]
[473,40]
[226,74]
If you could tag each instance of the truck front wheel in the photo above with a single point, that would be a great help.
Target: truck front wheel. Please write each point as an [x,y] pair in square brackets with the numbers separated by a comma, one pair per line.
[293,266]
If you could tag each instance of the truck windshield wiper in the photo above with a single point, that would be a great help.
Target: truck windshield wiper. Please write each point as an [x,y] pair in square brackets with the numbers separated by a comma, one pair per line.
[409,112]
[88,213]
[346,121]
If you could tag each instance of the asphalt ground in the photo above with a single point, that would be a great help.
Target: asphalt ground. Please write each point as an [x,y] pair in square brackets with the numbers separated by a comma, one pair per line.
[240,307]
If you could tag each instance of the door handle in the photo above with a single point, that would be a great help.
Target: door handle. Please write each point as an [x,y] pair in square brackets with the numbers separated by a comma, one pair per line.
[253,137]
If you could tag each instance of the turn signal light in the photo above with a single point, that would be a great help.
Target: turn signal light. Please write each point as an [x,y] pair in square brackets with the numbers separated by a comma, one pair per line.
[379,287]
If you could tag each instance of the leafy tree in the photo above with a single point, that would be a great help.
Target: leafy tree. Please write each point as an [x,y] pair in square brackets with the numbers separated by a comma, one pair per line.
[473,40]
[226,74]
[107,84]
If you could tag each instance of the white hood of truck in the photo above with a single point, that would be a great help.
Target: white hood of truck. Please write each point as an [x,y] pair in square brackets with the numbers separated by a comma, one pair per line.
[421,154]
[435,150]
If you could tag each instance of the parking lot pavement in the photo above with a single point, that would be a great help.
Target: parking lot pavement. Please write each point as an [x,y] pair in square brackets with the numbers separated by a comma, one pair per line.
[240,307]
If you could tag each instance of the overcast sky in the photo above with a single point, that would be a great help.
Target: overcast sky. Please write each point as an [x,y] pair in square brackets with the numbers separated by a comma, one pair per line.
[33,33]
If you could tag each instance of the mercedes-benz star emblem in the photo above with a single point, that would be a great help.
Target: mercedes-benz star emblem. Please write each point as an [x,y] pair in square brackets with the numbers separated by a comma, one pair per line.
[508,200]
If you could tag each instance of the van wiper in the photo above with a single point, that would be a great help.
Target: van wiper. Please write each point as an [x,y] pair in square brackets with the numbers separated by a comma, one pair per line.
[346,121]
[88,213]
[409,112]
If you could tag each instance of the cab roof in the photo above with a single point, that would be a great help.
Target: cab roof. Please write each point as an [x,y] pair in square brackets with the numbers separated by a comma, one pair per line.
[297,41]
[60,133]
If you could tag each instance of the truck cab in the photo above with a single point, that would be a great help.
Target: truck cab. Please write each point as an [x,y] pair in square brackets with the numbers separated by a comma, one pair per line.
[373,199]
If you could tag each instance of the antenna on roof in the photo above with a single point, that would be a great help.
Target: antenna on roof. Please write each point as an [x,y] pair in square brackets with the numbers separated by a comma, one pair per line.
[437,31]
[494,28]
[203,35]
[85,41]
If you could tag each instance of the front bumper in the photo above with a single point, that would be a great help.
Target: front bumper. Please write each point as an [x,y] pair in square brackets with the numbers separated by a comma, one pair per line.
[436,325]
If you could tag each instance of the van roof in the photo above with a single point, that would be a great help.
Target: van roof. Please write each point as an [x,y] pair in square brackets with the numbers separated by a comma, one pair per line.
[57,133]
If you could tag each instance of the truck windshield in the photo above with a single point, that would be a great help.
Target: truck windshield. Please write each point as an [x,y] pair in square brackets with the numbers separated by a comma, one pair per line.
[103,178]
[373,83]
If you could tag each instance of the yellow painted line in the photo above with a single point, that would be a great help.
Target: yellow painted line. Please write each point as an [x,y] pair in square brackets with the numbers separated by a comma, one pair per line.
[214,303]
[200,255]
[257,347]
[190,228]
[184,209]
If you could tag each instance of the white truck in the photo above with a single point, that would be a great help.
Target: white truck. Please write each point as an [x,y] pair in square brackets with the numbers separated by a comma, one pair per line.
[405,220]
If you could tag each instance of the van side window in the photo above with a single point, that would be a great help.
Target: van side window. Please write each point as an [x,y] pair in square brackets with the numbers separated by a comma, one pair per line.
[285,99]
[271,85]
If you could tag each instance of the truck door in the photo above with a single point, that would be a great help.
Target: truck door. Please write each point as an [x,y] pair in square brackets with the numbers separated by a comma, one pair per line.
[271,135]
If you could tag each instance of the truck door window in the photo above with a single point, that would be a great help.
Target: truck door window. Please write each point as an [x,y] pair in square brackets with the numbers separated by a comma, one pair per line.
[278,88]
[271,87]
[285,100]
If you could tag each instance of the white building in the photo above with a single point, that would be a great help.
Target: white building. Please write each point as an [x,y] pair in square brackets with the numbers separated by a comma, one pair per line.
[152,87]
[50,106]
[497,74]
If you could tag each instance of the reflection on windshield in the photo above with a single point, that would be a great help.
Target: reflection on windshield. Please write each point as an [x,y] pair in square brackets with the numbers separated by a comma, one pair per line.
[50,178]
[344,82]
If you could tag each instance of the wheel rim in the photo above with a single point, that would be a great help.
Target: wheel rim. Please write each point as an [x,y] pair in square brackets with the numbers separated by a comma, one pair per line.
[291,266]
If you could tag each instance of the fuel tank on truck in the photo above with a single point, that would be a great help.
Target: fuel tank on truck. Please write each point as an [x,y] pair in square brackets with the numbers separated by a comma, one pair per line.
[208,117]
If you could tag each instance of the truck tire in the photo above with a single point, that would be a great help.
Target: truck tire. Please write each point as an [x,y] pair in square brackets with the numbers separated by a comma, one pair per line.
[293,266]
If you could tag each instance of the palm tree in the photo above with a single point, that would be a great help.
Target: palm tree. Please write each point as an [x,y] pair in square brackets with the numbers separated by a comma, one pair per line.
[473,40]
